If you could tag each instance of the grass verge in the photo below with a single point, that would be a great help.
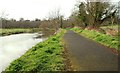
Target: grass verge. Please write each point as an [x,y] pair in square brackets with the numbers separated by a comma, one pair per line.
[45,56]
[4,32]
[110,41]
[111,26]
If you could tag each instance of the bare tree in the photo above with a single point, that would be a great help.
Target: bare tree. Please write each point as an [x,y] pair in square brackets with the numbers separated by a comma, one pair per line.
[0,23]
[55,14]
[3,15]
[3,18]
[53,23]
[56,18]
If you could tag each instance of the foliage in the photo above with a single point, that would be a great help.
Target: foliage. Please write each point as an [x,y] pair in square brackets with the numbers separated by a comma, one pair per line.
[104,39]
[95,13]
[45,56]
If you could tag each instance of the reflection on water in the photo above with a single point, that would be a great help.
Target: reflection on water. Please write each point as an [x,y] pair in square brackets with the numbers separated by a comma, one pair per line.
[13,46]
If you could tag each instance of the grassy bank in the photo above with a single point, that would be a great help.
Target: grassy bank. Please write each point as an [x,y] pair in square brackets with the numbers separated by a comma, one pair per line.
[110,41]
[45,56]
[112,26]
[4,32]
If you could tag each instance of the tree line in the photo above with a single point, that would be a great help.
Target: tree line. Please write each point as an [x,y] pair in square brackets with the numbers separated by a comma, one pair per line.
[94,14]
[20,24]
[87,14]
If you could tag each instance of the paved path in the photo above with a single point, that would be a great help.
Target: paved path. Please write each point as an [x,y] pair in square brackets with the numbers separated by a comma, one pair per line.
[87,55]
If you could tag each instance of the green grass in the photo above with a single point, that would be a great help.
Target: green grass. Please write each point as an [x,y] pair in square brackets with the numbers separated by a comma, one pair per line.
[110,41]
[111,26]
[4,32]
[45,56]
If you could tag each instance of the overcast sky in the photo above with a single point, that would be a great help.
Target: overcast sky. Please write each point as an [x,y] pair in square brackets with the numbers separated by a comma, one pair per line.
[31,9]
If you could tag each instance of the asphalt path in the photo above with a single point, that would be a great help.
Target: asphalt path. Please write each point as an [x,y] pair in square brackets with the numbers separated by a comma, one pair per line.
[87,55]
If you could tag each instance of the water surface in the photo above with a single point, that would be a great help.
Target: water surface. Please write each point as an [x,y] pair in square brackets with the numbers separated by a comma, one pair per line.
[13,46]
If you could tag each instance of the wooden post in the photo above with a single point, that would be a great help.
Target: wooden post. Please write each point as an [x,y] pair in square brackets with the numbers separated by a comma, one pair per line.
[61,23]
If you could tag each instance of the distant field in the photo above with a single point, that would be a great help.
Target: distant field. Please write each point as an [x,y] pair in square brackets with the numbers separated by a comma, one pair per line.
[4,32]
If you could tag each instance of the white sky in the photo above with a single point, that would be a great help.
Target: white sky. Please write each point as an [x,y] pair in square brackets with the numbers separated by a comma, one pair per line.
[31,9]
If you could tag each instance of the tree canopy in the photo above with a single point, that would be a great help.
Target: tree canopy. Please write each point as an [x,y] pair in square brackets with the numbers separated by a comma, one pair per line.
[95,13]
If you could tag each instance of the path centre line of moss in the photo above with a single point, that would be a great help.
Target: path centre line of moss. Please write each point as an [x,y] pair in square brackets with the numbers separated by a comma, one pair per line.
[45,56]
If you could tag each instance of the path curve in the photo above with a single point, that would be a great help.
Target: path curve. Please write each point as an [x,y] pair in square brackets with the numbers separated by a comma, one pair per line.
[87,55]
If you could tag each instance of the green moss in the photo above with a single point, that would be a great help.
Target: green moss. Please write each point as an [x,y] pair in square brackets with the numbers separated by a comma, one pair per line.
[45,56]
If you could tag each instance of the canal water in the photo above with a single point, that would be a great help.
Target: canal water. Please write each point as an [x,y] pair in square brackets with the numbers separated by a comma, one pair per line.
[13,46]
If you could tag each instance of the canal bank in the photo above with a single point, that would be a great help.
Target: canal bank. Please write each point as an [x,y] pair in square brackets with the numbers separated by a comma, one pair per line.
[13,46]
